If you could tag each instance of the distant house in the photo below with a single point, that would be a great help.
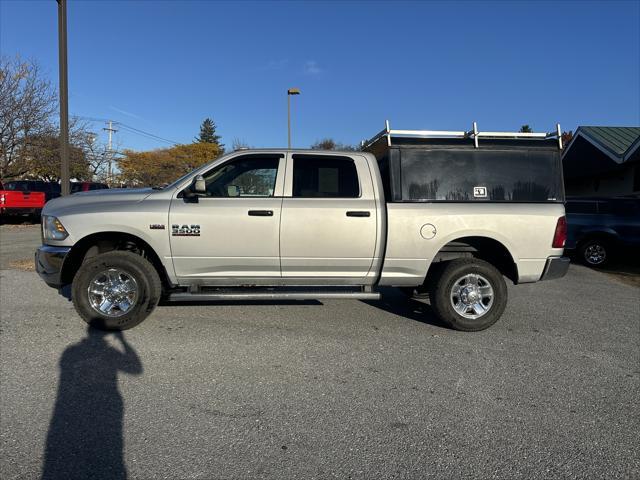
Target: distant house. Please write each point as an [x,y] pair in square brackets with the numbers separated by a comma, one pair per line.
[603,161]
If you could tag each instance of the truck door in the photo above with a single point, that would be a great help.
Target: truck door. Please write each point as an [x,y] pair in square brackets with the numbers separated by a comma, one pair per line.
[328,226]
[231,234]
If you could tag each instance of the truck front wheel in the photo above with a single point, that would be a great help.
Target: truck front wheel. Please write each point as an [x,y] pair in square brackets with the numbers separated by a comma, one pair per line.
[116,290]
[469,294]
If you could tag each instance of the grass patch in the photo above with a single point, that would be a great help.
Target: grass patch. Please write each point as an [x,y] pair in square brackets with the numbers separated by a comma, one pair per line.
[25,264]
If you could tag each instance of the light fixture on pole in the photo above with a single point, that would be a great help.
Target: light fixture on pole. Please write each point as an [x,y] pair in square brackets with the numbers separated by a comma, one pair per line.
[291,91]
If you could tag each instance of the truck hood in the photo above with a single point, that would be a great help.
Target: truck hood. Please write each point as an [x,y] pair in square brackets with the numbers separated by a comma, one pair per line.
[95,201]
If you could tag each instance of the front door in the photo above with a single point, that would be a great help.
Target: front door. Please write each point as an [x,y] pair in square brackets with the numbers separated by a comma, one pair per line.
[329,226]
[231,234]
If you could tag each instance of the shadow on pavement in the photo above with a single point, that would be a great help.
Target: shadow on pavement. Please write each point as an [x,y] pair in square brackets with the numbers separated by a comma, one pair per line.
[397,303]
[85,438]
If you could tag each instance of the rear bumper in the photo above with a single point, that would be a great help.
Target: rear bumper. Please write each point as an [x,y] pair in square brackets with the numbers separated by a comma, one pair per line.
[20,210]
[49,262]
[556,267]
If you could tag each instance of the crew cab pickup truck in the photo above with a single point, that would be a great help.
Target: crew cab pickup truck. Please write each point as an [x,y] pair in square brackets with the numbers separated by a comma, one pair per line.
[15,202]
[449,213]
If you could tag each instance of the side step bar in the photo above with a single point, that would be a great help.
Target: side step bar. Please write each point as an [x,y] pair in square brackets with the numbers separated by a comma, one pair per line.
[272,295]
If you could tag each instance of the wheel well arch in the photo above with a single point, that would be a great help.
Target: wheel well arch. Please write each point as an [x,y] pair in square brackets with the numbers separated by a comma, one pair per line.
[484,248]
[102,242]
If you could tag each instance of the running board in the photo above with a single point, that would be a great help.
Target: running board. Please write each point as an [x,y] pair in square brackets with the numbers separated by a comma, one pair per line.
[272,295]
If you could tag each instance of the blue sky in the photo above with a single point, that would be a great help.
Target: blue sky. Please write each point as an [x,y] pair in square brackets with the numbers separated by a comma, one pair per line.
[163,66]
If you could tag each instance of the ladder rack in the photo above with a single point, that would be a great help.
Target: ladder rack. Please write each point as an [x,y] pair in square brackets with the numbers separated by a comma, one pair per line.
[474,133]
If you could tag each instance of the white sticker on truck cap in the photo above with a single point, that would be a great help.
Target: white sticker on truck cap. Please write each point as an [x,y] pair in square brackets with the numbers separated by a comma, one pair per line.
[480,192]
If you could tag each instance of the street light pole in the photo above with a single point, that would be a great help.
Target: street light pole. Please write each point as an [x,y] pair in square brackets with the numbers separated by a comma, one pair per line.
[64,98]
[291,91]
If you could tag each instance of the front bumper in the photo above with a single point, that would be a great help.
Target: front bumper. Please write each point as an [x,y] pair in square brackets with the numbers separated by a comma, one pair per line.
[49,262]
[556,267]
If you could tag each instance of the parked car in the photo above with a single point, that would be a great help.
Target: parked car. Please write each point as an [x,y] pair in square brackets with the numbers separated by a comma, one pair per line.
[599,228]
[19,202]
[50,189]
[87,186]
[453,214]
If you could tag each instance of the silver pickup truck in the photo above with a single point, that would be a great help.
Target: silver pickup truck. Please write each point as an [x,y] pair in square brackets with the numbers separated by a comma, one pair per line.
[446,215]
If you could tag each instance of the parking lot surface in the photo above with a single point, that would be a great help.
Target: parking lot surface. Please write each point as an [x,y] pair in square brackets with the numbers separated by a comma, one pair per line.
[338,389]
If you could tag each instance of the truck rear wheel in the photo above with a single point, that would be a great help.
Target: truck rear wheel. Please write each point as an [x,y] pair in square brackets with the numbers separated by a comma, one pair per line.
[116,290]
[469,294]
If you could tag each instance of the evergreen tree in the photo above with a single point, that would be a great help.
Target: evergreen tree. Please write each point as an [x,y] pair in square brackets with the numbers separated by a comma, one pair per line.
[525,129]
[208,133]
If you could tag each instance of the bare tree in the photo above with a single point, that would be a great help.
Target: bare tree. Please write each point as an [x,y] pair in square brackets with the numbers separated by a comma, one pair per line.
[27,104]
[240,144]
[97,154]
[331,144]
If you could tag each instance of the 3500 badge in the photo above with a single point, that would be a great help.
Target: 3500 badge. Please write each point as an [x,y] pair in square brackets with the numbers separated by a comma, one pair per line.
[185,230]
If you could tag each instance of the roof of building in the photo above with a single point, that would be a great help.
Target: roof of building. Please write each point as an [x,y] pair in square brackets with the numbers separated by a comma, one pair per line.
[617,142]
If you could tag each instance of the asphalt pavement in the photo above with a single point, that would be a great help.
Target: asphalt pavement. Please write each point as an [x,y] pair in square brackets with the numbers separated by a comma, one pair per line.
[332,389]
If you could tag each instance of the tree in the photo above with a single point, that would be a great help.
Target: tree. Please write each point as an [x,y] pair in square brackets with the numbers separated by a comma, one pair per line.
[42,159]
[566,138]
[240,144]
[525,129]
[331,144]
[208,133]
[27,104]
[162,166]
[97,155]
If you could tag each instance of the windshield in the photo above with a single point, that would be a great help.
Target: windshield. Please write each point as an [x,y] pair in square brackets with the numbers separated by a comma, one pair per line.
[175,183]
[16,186]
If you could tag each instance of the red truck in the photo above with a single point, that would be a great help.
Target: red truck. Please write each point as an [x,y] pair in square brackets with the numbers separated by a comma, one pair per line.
[14,202]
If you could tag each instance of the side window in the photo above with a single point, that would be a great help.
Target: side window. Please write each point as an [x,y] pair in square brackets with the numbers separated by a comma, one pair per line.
[581,207]
[250,176]
[319,176]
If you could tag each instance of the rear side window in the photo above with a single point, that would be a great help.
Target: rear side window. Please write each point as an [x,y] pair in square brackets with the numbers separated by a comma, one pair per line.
[480,175]
[581,207]
[319,176]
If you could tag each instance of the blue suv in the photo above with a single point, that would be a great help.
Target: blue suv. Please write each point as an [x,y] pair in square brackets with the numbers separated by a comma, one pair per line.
[598,228]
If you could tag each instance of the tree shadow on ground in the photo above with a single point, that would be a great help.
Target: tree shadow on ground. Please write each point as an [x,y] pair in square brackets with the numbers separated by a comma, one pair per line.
[85,438]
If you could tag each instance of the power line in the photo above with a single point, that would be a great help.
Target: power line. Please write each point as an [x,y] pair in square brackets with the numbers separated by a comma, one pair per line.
[130,129]
[147,134]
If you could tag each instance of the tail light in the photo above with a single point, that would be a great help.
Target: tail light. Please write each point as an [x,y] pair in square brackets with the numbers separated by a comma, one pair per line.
[2,198]
[560,235]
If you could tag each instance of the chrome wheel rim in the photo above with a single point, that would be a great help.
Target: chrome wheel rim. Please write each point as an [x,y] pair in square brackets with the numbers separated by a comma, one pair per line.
[113,292]
[472,296]
[595,254]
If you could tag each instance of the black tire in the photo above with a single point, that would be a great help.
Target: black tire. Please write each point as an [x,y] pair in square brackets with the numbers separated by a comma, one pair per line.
[149,289]
[594,252]
[442,284]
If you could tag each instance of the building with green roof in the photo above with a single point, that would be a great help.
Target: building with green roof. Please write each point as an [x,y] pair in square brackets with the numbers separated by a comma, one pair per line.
[602,161]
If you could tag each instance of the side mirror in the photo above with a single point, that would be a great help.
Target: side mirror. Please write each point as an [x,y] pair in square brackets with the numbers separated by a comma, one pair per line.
[199,187]
[233,191]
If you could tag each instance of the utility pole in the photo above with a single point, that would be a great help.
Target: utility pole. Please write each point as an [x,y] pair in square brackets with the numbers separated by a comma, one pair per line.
[64,97]
[111,131]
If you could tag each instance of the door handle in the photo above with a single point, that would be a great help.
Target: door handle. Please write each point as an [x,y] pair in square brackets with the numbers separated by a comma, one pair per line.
[261,213]
[358,214]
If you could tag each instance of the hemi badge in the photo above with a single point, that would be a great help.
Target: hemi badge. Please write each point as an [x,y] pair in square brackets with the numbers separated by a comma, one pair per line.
[156,226]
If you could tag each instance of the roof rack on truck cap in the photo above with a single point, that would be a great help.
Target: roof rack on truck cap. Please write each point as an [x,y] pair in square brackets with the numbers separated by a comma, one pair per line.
[474,134]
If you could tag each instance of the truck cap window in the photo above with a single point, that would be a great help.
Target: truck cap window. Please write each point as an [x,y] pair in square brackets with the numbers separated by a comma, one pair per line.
[249,176]
[480,175]
[324,176]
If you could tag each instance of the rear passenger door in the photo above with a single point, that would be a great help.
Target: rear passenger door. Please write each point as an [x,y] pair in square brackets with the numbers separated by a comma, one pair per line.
[328,225]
